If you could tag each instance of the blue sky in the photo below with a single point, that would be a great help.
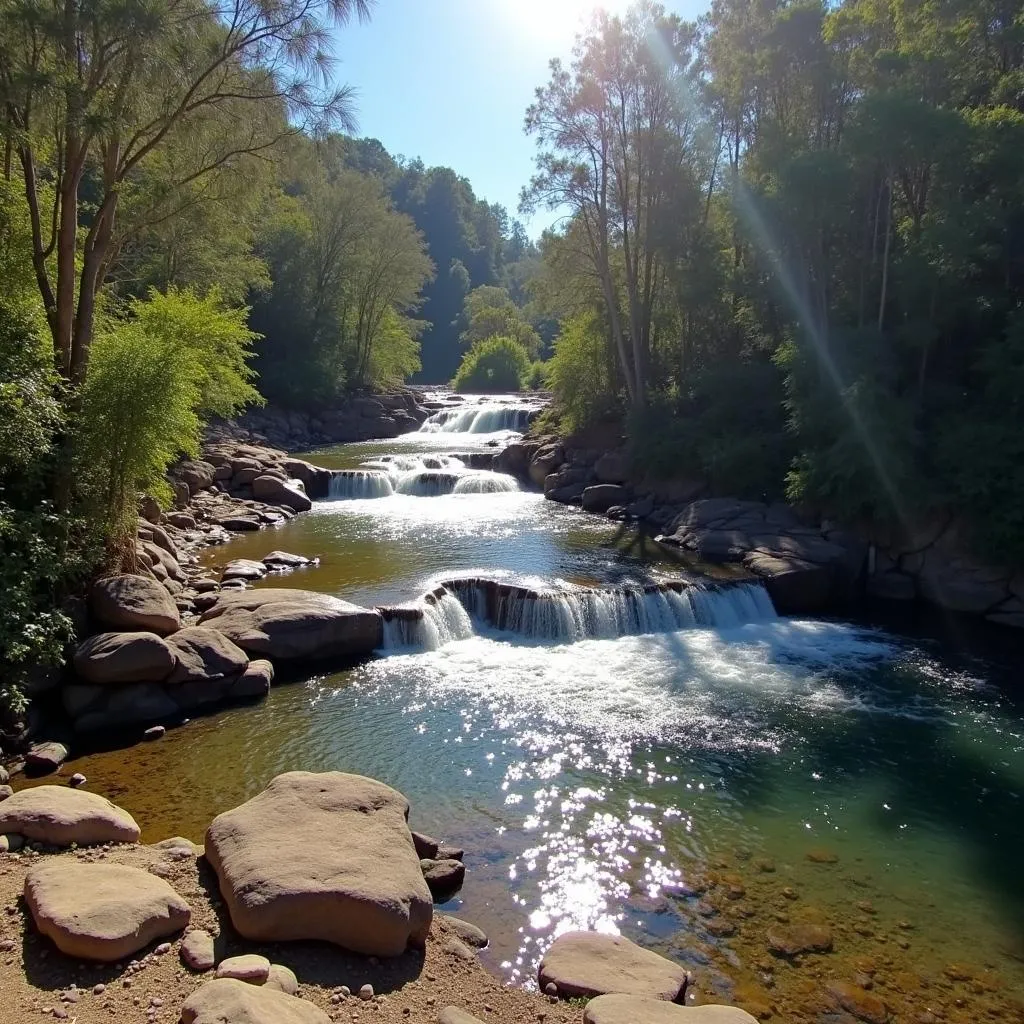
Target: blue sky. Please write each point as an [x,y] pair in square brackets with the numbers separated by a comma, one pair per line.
[450,80]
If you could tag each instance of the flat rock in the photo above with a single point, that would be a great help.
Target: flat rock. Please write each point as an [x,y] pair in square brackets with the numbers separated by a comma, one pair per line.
[244,569]
[227,1001]
[60,816]
[295,624]
[204,653]
[469,933]
[456,1015]
[592,964]
[626,1009]
[112,658]
[102,911]
[323,856]
[197,951]
[793,939]
[286,558]
[134,603]
[46,757]
[249,967]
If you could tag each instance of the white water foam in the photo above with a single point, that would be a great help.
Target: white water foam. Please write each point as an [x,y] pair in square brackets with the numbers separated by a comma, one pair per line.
[359,483]
[438,620]
[425,476]
[479,419]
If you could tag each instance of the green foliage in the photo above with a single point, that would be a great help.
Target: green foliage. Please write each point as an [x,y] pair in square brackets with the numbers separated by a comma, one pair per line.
[578,373]
[489,312]
[154,374]
[494,365]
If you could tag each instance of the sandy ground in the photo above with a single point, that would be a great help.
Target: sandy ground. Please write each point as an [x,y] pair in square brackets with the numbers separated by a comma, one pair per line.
[37,982]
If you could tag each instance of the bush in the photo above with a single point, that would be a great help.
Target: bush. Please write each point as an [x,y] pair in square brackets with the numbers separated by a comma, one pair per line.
[579,374]
[494,365]
[150,378]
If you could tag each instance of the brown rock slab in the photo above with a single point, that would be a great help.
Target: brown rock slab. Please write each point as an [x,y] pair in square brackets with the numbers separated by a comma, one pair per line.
[134,603]
[856,1001]
[456,1015]
[444,877]
[60,816]
[322,856]
[111,658]
[227,1001]
[793,939]
[197,951]
[249,967]
[625,1009]
[102,911]
[46,757]
[255,681]
[592,964]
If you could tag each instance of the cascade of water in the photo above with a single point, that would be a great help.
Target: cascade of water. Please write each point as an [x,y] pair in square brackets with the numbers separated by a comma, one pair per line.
[483,481]
[359,483]
[479,419]
[570,615]
[431,623]
[427,483]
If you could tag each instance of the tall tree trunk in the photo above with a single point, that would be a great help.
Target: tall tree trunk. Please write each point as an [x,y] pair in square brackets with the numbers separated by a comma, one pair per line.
[885,259]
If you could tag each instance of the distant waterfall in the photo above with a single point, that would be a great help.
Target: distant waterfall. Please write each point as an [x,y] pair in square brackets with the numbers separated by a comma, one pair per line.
[430,623]
[568,615]
[479,419]
[359,483]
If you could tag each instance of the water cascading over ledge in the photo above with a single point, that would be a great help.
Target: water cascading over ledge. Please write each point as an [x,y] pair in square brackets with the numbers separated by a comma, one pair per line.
[567,615]
[353,484]
[480,419]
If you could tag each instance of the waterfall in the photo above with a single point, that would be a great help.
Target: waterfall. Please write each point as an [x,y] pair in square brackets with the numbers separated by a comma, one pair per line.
[359,483]
[427,483]
[479,419]
[430,623]
[569,615]
[482,481]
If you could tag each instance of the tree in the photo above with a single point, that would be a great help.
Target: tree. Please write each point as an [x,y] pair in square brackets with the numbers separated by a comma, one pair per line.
[106,85]
[492,366]
[490,312]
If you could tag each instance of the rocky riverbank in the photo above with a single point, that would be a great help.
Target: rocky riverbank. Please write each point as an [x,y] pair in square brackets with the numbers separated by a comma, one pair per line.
[311,902]
[808,565]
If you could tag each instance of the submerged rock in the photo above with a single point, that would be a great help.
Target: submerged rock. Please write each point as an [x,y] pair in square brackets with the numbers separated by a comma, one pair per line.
[791,940]
[350,875]
[102,911]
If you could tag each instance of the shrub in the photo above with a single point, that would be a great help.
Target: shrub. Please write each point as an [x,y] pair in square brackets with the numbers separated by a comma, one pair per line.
[493,365]
[579,373]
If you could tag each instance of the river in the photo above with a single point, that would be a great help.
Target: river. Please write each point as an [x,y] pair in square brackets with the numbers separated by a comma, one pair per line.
[700,779]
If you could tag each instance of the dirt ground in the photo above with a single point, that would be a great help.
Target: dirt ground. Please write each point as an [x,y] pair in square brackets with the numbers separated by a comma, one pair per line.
[37,982]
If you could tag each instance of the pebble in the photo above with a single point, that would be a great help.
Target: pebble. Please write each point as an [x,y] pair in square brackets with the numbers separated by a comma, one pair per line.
[551,989]
[154,732]
[98,990]
[345,991]
[366,993]
[78,779]
[163,949]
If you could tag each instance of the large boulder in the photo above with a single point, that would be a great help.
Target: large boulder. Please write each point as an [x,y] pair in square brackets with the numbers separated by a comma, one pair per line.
[624,1009]
[322,856]
[592,964]
[60,816]
[796,587]
[228,1001]
[128,705]
[296,624]
[547,460]
[601,497]
[134,603]
[203,653]
[276,491]
[612,468]
[108,658]
[102,911]
[196,475]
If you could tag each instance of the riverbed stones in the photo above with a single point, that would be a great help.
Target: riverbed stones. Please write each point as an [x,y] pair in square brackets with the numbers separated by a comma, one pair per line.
[426,846]
[626,1009]
[60,816]
[244,569]
[197,951]
[111,658]
[227,1001]
[249,967]
[284,624]
[601,497]
[134,603]
[350,876]
[102,911]
[467,932]
[592,964]
[285,559]
[203,653]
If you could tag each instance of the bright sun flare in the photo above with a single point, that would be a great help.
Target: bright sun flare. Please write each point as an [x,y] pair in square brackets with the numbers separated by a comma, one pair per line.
[558,20]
